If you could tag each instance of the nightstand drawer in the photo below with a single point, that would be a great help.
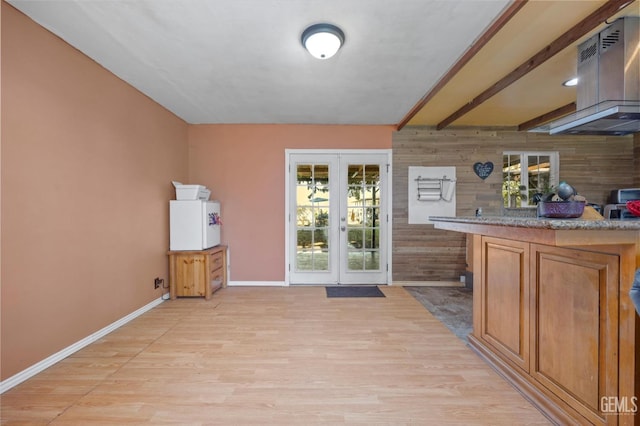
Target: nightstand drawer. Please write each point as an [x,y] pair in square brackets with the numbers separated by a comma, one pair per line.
[216,260]
[217,278]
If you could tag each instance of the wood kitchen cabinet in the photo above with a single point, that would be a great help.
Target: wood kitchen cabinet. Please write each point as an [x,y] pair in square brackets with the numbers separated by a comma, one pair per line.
[574,326]
[552,313]
[505,320]
[197,272]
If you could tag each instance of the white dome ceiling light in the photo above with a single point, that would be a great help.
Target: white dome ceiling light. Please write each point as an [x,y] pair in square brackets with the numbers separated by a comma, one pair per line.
[322,40]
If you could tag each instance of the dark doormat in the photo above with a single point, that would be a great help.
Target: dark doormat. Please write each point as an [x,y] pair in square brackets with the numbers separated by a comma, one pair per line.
[354,291]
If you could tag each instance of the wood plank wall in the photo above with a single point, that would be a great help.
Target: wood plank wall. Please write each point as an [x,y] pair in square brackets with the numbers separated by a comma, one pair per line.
[636,158]
[593,164]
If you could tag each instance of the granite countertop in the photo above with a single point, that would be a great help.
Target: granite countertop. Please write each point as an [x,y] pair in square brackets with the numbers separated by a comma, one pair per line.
[543,223]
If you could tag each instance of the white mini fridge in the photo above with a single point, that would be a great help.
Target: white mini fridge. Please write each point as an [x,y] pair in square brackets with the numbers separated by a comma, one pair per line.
[194,224]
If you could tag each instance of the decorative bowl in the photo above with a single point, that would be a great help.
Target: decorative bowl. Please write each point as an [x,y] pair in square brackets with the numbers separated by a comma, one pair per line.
[561,209]
[634,207]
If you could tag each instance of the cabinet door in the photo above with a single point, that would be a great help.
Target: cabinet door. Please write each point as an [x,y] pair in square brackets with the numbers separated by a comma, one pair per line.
[190,275]
[505,299]
[575,326]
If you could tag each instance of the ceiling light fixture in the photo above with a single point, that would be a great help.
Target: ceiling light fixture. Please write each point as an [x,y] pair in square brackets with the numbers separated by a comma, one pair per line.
[570,83]
[322,40]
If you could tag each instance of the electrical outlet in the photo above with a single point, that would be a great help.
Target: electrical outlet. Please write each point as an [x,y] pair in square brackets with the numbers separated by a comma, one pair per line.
[157,282]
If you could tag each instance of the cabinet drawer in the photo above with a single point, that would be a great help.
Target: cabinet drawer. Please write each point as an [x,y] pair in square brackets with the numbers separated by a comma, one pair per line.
[217,276]
[215,271]
[217,279]
[215,261]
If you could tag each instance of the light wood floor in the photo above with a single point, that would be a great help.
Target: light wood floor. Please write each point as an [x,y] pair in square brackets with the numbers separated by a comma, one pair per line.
[277,355]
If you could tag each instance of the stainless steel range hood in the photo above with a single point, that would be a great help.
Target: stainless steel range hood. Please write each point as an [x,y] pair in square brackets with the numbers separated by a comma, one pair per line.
[608,91]
[616,118]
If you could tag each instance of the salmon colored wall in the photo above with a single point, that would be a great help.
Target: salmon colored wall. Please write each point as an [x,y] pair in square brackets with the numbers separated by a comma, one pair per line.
[87,164]
[243,165]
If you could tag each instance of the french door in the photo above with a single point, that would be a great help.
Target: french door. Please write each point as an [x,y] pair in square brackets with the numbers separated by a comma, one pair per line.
[338,221]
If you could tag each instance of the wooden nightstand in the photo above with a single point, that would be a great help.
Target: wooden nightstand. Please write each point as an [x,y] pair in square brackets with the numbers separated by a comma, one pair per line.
[197,272]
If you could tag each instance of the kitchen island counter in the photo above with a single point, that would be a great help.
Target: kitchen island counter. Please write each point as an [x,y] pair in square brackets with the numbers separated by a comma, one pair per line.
[552,312]
[542,223]
[559,232]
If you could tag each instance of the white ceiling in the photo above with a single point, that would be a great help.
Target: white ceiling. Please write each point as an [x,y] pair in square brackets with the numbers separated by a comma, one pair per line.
[241,61]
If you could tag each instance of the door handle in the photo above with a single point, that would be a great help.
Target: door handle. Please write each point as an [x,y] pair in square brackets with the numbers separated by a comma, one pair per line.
[343,228]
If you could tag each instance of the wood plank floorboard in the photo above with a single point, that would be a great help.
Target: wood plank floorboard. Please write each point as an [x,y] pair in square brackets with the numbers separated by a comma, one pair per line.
[273,355]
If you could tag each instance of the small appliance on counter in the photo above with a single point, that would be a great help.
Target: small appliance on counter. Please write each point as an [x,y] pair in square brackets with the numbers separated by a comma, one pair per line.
[194,220]
[191,192]
[617,208]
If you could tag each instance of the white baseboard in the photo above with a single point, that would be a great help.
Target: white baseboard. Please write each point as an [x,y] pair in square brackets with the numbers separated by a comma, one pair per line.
[256,284]
[27,373]
[394,283]
[429,283]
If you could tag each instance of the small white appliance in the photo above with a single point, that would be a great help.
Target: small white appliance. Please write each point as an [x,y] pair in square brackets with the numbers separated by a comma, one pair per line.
[191,192]
[194,224]
[194,220]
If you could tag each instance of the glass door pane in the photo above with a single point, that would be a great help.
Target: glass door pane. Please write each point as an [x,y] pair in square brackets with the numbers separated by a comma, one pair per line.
[363,219]
[312,217]
[363,212]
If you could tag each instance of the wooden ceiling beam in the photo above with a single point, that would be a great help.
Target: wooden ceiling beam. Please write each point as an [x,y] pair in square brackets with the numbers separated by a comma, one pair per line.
[589,23]
[551,115]
[468,55]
